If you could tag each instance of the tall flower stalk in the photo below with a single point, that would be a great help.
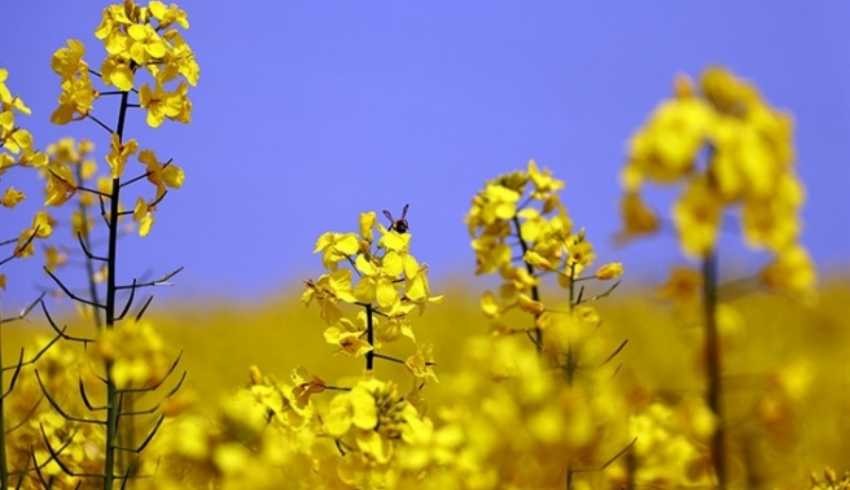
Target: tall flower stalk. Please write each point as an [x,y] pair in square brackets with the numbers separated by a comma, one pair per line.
[521,230]
[370,421]
[732,153]
[139,39]
[17,150]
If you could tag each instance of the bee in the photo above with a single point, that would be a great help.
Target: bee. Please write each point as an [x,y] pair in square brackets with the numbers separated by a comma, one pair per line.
[400,225]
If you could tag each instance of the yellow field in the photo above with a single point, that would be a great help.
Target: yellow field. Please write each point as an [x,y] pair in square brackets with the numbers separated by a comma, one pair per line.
[660,361]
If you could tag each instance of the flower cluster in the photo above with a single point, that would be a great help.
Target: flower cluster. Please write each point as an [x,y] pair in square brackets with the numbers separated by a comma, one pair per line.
[669,449]
[262,434]
[35,431]
[16,143]
[512,422]
[135,353]
[729,150]
[383,279]
[17,149]
[521,230]
[135,37]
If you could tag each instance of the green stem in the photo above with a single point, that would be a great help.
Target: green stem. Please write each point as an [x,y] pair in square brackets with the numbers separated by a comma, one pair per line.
[714,393]
[570,362]
[111,390]
[90,272]
[4,468]
[370,337]
[535,292]
[631,471]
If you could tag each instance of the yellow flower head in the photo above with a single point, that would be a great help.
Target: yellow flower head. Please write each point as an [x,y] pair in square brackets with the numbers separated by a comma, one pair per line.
[730,150]
[118,154]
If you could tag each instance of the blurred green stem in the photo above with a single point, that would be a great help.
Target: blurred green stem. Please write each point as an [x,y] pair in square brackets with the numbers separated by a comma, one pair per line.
[714,393]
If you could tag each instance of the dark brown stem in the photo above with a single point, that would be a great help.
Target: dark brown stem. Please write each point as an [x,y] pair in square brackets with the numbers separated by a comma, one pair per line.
[113,407]
[85,243]
[714,392]
[535,292]
[370,337]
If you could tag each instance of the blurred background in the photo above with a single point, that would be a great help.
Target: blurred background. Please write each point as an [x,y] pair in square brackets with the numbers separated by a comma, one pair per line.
[309,112]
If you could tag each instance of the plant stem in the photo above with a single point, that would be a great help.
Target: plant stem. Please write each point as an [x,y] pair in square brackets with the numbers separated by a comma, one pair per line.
[370,337]
[111,391]
[535,292]
[714,393]
[631,471]
[4,468]
[84,232]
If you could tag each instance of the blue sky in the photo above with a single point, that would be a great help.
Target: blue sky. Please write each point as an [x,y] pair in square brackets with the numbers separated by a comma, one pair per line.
[309,112]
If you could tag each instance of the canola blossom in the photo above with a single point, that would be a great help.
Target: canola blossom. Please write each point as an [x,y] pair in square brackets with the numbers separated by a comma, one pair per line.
[553,382]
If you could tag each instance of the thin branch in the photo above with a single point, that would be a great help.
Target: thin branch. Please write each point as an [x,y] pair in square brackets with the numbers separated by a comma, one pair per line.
[38,472]
[129,302]
[153,409]
[86,401]
[610,460]
[615,353]
[38,354]
[15,375]
[59,408]
[163,281]
[147,439]
[159,383]
[23,314]
[144,175]
[79,187]
[21,248]
[603,294]
[61,332]
[26,418]
[71,294]
[144,308]
[88,252]
[101,124]
[55,455]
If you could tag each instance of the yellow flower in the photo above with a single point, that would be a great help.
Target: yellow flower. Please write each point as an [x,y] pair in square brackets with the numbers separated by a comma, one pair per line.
[68,61]
[162,104]
[398,260]
[611,270]
[136,353]
[143,216]
[348,337]
[368,221]
[697,216]
[683,285]
[792,270]
[638,218]
[117,73]
[146,43]
[353,409]
[544,182]
[581,254]
[489,305]
[336,247]
[77,95]
[9,101]
[43,223]
[11,198]
[161,175]
[421,363]
[119,153]
[168,14]
[54,258]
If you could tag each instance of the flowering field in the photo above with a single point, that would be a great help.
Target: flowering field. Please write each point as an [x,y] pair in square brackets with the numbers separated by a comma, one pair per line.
[546,368]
